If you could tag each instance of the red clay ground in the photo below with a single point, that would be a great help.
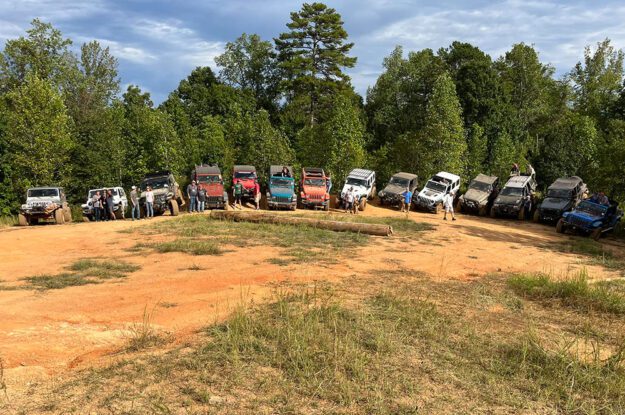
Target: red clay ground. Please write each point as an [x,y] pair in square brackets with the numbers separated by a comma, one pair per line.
[42,333]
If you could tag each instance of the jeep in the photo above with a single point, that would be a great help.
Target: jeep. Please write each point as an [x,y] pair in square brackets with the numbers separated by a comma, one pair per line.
[431,196]
[44,204]
[562,196]
[314,185]
[208,178]
[517,198]
[479,197]
[392,193]
[591,218]
[247,176]
[281,189]
[167,194]
[120,202]
[363,184]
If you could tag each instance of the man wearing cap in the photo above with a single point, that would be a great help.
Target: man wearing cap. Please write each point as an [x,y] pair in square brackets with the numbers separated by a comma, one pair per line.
[134,199]
[192,195]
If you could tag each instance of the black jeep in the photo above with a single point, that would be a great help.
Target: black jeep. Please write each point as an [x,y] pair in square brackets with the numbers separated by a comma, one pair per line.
[562,196]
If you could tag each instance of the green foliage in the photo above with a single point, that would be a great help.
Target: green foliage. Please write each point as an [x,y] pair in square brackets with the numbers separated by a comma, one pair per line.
[477,154]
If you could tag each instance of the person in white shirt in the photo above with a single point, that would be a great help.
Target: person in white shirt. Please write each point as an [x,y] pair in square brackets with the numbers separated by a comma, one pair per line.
[149,203]
[448,204]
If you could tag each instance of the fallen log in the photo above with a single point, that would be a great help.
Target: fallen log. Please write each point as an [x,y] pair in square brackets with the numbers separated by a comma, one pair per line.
[337,226]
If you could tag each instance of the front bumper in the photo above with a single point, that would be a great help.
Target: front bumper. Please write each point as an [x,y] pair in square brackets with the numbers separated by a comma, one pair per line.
[391,199]
[281,202]
[38,213]
[550,215]
[425,204]
[507,210]
[472,205]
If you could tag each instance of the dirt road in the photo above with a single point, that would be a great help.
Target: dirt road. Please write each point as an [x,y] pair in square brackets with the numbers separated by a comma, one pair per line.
[42,333]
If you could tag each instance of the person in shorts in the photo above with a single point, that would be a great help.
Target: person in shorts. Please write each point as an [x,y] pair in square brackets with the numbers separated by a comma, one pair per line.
[237,192]
[448,204]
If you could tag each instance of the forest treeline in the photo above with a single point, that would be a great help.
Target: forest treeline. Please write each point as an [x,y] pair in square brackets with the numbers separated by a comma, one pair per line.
[64,120]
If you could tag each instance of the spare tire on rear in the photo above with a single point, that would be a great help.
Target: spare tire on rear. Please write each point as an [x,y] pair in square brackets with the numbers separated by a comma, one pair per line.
[59,216]
[21,219]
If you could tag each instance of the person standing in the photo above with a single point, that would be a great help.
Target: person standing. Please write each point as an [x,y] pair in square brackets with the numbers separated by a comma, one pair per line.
[237,192]
[134,200]
[406,200]
[349,200]
[103,206]
[96,204]
[192,195]
[149,203]
[110,204]
[201,199]
[448,204]
[257,194]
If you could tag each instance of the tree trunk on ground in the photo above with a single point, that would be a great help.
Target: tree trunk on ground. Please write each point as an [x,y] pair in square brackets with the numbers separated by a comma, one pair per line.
[258,217]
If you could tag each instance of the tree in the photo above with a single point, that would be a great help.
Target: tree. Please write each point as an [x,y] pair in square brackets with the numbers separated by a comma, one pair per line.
[443,145]
[477,151]
[597,82]
[37,141]
[250,63]
[45,52]
[312,55]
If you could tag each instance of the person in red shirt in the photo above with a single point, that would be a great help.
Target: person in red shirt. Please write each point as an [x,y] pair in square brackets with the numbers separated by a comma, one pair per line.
[257,195]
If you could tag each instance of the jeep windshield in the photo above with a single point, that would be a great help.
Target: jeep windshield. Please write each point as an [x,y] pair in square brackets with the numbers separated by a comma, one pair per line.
[439,187]
[559,193]
[481,186]
[209,179]
[398,181]
[315,182]
[281,182]
[592,209]
[512,191]
[43,193]
[244,175]
[92,192]
[156,183]
[356,182]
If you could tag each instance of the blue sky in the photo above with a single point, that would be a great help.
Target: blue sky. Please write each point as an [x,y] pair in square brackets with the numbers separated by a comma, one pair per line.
[159,42]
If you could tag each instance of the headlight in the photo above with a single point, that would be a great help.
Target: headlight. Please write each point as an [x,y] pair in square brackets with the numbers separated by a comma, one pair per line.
[381,194]
[24,206]
[596,224]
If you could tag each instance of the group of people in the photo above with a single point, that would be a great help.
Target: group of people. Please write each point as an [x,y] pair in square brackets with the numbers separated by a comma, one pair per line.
[197,197]
[237,192]
[103,205]
[135,207]
[600,198]
[350,201]
[448,203]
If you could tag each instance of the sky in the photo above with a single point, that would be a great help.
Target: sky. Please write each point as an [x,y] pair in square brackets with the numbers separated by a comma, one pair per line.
[159,42]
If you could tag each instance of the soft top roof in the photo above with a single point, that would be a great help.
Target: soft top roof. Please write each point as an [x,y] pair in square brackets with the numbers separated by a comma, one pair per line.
[404,175]
[243,167]
[361,173]
[448,176]
[314,172]
[566,183]
[45,187]
[276,170]
[207,169]
[482,178]
[158,174]
[518,181]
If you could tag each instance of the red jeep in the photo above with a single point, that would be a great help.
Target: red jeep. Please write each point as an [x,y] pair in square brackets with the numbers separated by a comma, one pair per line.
[314,188]
[209,179]
[247,176]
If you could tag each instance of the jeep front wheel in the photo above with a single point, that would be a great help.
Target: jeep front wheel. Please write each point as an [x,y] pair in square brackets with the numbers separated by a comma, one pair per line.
[560,226]
[363,203]
[482,211]
[536,217]
[21,219]
[173,207]
[459,206]
[596,234]
[59,217]
[67,215]
[522,214]
[493,213]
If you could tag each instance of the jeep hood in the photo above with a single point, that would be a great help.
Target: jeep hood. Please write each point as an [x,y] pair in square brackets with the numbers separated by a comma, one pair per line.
[508,200]
[394,189]
[430,194]
[213,189]
[358,190]
[555,203]
[158,192]
[315,190]
[247,183]
[475,195]
[583,216]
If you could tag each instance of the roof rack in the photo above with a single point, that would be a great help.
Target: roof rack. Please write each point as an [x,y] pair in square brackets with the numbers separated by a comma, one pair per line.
[361,173]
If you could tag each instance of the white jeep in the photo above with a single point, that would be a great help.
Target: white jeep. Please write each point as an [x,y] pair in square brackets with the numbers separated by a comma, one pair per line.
[362,183]
[120,203]
[431,197]
[44,203]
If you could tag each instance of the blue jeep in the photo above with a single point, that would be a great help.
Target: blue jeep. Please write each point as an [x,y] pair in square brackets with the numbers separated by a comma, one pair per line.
[281,190]
[591,218]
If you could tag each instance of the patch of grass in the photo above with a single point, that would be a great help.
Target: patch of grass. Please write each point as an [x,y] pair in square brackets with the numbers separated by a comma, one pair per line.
[194,267]
[597,253]
[102,269]
[6,221]
[56,282]
[143,335]
[574,292]
[186,246]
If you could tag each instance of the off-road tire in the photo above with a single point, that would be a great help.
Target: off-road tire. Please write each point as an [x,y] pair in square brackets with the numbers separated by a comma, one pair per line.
[374,193]
[22,220]
[438,208]
[493,213]
[536,217]
[86,219]
[363,204]
[560,226]
[59,217]
[67,214]
[327,207]
[596,234]
[482,211]
[174,210]
[458,206]
[120,213]
[522,214]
